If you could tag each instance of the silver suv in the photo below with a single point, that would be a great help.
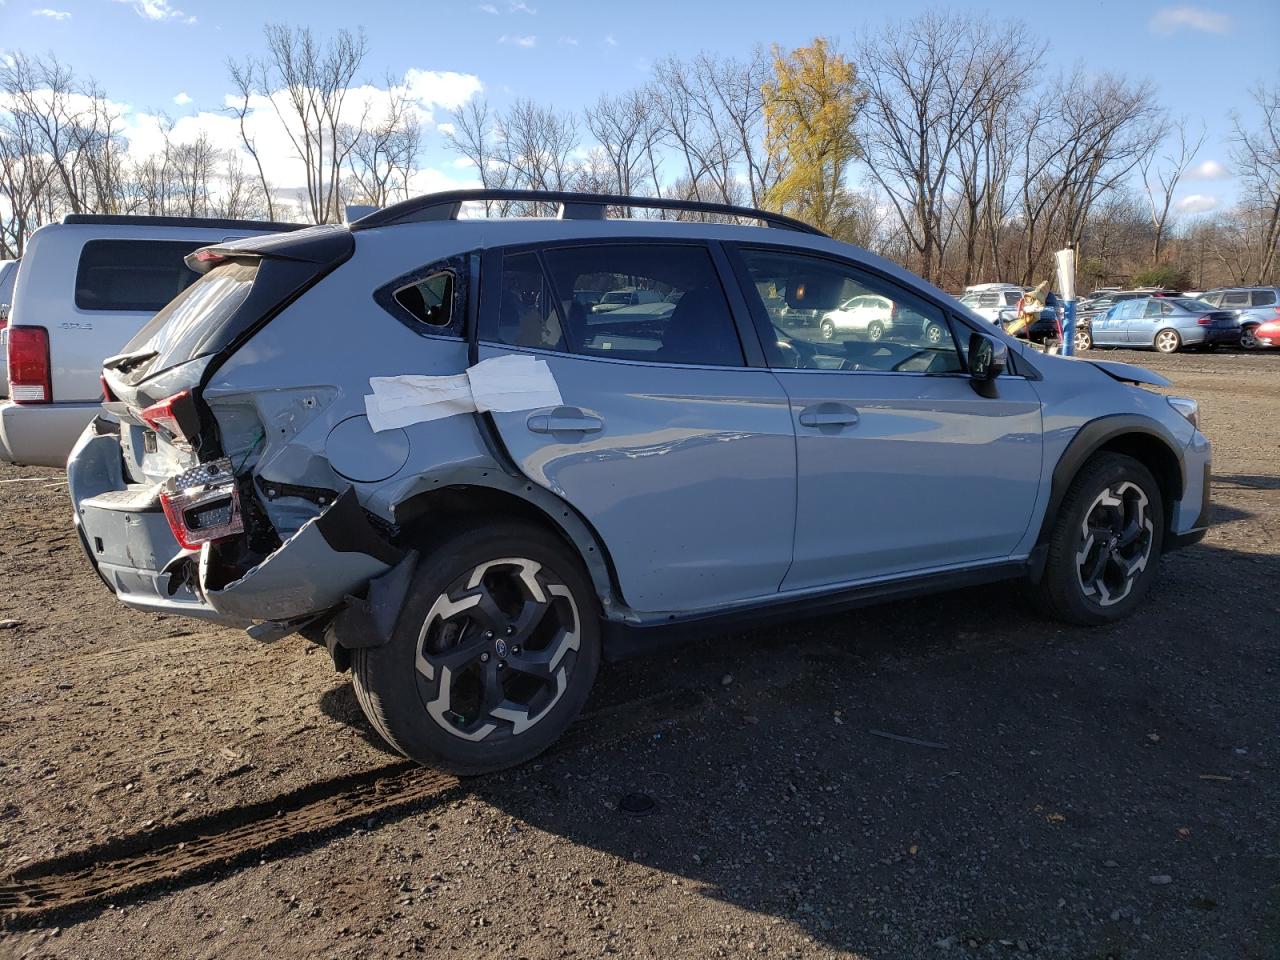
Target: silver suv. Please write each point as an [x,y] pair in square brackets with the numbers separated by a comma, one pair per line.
[1253,305]
[413,440]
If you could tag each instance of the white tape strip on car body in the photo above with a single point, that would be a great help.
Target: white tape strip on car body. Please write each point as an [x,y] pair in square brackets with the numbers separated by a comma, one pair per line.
[501,384]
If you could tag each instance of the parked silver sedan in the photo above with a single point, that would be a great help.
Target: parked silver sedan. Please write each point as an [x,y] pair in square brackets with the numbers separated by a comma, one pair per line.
[1165,324]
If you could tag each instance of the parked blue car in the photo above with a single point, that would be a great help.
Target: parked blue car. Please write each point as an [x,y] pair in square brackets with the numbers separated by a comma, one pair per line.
[410,441]
[1166,324]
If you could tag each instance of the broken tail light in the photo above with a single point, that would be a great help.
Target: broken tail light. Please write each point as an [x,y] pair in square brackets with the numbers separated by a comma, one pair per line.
[175,416]
[203,504]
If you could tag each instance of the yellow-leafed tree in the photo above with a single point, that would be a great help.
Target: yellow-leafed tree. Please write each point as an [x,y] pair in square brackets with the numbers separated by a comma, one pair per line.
[810,107]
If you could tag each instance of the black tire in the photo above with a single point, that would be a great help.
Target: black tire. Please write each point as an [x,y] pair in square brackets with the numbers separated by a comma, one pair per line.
[1134,532]
[1249,336]
[828,330]
[502,651]
[875,330]
[1167,340]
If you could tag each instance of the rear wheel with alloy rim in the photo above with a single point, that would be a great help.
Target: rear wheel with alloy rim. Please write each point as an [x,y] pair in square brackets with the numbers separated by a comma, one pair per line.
[933,334]
[1084,340]
[1249,337]
[1104,544]
[493,655]
[875,330]
[828,330]
[1167,341]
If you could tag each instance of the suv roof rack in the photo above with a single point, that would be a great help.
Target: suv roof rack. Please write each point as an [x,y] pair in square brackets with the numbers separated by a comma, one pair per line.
[573,206]
[147,220]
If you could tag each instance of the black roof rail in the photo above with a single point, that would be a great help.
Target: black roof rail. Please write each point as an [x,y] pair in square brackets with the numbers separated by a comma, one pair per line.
[573,206]
[147,220]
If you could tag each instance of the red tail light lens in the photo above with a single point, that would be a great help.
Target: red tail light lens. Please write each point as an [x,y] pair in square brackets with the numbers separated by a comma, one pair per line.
[30,376]
[174,416]
[1205,321]
[203,504]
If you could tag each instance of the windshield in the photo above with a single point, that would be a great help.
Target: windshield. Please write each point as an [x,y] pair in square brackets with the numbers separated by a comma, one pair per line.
[616,297]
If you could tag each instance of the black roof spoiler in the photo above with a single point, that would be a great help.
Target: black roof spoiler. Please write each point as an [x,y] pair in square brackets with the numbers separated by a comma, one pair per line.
[572,206]
[318,244]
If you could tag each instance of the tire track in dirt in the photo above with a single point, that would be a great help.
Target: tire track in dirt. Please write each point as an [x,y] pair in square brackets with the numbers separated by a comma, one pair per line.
[135,865]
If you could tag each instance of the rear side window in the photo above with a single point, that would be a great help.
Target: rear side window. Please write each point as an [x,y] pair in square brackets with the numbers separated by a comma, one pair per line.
[430,300]
[137,275]
[1264,298]
[661,303]
[1236,298]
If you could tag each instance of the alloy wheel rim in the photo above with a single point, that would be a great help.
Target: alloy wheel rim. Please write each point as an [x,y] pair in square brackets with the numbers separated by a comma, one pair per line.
[497,648]
[1248,339]
[1167,342]
[1083,341]
[1116,537]
[828,330]
[934,334]
[875,331]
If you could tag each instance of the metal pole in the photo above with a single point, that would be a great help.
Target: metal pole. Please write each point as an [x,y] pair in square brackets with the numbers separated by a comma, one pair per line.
[1069,328]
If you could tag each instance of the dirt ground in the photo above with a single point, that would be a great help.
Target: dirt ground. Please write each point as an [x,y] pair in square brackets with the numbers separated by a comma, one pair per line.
[1087,794]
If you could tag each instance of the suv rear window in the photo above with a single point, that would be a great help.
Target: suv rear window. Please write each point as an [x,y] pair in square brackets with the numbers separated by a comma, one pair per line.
[1263,298]
[139,275]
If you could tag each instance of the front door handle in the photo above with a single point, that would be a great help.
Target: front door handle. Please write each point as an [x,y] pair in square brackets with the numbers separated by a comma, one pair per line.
[828,415]
[565,420]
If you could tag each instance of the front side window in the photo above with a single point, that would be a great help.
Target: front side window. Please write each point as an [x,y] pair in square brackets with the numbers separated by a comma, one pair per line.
[134,275]
[660,303]
[892,331]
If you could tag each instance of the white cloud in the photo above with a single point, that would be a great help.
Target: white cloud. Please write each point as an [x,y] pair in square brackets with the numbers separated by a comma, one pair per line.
[51,14]
[157,10]
[519,6]
[609,40]
[488,8]
[182,99]
[1197,203]
[569,41]
[1209,170]
[1169,19]
[519,41]
[441,88]
[446,129]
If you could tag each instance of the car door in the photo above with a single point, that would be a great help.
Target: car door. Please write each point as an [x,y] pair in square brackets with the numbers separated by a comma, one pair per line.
[1142,327]
[1102,326]
[677,452]
[901,466]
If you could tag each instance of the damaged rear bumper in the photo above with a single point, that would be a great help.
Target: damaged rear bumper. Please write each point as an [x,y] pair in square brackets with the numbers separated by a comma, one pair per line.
[127,537]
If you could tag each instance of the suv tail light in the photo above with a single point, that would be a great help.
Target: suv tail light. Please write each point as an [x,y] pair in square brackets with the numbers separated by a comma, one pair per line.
[30,376]
[203,504]
[174,416]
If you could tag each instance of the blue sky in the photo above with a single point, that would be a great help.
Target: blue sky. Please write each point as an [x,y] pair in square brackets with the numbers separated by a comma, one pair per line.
[146,53]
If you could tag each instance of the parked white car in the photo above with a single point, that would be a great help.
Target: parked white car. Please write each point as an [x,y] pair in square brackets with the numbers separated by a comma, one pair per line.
[86,286]
[988,300]
[8,275]
[868,314]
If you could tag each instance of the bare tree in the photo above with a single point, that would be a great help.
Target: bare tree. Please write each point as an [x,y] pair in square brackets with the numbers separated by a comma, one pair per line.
[1161,174]
[383,156]
[627,129]
[242,76]
[1256,156]
[307,83]
[929,81]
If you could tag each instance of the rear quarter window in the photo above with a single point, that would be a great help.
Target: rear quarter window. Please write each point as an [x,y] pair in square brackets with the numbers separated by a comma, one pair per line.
[134,275]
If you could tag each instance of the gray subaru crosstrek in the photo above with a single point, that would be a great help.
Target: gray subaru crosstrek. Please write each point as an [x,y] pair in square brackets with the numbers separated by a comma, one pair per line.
[412,441]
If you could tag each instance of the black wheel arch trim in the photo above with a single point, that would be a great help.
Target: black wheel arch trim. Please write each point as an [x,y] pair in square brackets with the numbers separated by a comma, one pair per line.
[1091,438]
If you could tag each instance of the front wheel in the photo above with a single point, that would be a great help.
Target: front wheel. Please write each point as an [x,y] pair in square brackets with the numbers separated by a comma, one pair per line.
[933,334]
[1167,341]
[1249,337]
[493,655]
[1104,543]
[1083,341]
[828,330]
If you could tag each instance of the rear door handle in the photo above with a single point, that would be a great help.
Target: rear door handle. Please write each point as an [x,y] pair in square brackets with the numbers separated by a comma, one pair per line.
[565,420]
[828,415]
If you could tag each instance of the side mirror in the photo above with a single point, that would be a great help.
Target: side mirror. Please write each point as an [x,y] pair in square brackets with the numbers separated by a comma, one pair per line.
[988,358]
